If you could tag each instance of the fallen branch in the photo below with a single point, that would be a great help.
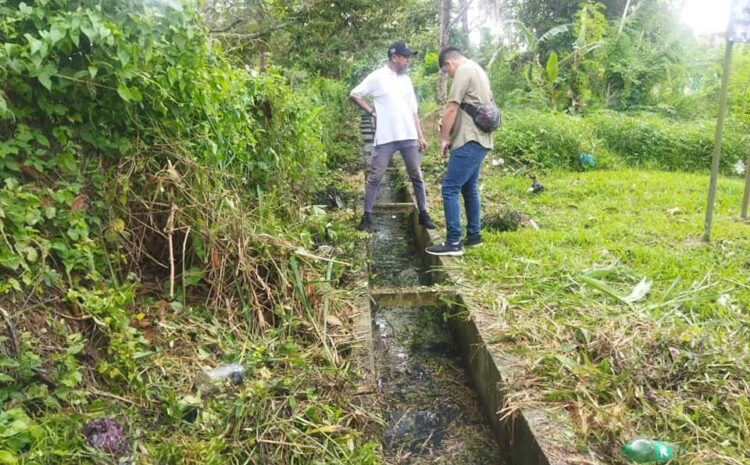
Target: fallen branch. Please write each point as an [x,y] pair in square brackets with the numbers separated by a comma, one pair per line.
[170,231]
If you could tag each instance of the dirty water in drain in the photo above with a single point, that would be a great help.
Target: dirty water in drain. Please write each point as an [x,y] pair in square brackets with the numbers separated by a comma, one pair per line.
[396,261]
[431,412]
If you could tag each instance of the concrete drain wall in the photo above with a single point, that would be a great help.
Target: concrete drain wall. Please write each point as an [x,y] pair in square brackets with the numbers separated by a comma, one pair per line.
[432,368]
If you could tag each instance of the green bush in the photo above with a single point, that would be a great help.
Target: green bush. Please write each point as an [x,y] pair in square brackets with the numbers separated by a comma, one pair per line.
[546,140]
[654,142]
[337,119]
[648,141]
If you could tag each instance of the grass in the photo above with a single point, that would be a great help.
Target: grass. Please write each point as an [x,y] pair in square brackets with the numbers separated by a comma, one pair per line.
[137,356]
[673,365]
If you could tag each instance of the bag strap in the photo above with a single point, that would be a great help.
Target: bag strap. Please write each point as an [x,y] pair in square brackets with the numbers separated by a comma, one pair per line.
[470,109]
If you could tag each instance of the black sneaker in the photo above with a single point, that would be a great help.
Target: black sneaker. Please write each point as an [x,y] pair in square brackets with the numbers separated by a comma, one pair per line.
[473,241]
[445,249]
[425,220]
[365,224]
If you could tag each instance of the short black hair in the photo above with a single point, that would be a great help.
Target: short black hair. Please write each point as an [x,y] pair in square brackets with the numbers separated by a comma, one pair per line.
[446,53]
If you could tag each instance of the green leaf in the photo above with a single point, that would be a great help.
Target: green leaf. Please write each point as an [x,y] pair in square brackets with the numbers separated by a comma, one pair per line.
[123,56]
[172,75]
[57,33]
[93,70]
[7,458]
[25,9]
[552,68]
[30,252]
[129,94]
[124,93]
[3,107]
[10,261]
[75,36]
[193,276]
[35,44]
[45,74]
[42,140]
[136,94]
[17,426]
[91,32]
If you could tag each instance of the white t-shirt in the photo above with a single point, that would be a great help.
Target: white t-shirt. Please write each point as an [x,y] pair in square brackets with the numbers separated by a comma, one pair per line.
[395,104]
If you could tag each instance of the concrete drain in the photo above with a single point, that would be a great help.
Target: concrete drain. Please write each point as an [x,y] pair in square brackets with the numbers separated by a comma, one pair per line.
[430,408]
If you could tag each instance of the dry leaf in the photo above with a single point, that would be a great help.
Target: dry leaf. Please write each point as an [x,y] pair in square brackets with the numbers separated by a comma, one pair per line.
[80,203]
[333,320]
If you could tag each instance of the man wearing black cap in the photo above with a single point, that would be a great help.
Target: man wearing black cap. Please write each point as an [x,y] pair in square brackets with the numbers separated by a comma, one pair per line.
[397,128]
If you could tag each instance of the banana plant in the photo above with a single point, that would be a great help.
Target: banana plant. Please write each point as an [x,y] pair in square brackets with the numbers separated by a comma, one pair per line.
[532,43]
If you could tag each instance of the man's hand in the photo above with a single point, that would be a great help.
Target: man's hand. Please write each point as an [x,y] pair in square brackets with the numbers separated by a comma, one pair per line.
[445,145]
[422,144]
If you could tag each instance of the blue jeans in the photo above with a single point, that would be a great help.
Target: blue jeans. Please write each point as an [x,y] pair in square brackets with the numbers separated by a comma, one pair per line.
[464,166]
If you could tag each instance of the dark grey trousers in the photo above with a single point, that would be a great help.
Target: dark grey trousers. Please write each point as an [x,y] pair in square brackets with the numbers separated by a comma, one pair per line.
[381,157]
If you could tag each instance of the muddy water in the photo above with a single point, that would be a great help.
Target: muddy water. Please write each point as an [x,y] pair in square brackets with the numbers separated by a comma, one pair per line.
[395,260]
[430,408]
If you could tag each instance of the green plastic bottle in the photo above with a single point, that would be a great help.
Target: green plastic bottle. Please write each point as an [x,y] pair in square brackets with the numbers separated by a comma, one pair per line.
[646,450]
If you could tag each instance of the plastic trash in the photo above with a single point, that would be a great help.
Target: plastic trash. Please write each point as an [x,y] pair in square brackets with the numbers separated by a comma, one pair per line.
[646,450]
[107,435]
[587,159]
[740,167]
[536,187]
[233,372]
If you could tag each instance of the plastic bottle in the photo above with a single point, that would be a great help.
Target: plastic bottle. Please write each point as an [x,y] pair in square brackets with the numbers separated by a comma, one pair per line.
[587,159]
[646,450]
[233,372]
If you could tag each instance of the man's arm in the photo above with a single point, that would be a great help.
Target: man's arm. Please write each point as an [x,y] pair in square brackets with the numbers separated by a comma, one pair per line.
[420,135]
[362,103]
[449,119]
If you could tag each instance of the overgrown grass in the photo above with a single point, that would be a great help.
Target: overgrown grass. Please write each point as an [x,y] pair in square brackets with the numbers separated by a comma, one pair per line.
[673,365]
[156,220]
[555,141]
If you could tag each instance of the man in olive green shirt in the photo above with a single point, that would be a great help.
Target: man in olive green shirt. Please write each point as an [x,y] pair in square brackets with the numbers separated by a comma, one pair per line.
[468,146]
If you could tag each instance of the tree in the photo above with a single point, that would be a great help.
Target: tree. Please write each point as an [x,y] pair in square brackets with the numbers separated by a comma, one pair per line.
[647,57]
[319,36]
[445,9]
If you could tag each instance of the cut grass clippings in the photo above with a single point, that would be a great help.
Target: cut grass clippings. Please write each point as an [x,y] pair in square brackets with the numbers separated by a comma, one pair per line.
[667,360]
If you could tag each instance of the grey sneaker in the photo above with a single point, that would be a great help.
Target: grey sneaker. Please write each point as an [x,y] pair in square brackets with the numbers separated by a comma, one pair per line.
[473,241]
[445,249]
[365,224]
[425,220]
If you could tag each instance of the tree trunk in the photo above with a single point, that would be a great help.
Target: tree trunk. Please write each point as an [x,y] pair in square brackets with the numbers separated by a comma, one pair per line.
[445,18]
[624,17]
[464,9]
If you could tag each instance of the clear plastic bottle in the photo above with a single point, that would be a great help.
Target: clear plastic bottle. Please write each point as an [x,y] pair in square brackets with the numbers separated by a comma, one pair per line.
[646,450]
[232,371]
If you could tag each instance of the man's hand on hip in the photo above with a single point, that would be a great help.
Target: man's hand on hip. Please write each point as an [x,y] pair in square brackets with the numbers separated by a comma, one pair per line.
[445,145]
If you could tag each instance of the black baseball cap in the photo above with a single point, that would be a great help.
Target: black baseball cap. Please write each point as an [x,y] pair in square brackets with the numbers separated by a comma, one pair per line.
[400,48]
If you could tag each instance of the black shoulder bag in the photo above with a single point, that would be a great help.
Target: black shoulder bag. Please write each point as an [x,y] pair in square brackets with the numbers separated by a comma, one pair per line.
[485,115]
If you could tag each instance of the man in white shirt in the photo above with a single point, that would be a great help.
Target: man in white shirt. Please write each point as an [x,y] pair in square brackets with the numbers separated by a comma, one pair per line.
[397,128]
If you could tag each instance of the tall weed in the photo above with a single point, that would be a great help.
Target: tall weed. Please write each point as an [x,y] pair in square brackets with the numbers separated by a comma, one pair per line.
[655,142]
